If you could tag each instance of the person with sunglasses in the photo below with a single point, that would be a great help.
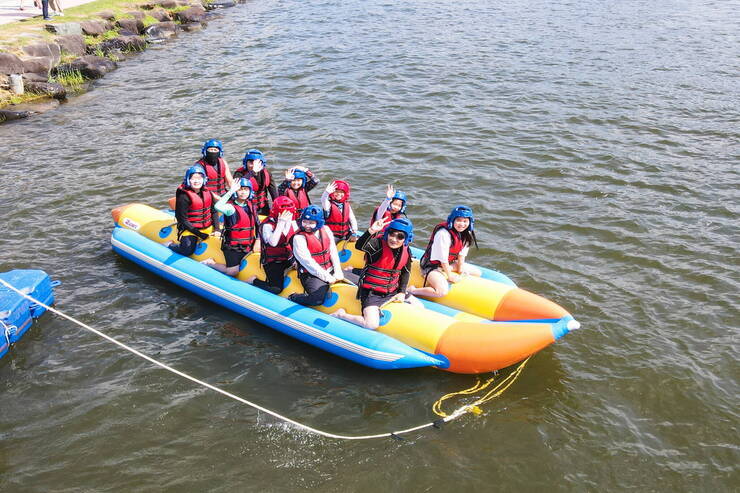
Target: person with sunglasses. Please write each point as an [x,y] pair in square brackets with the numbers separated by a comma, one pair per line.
[386,272]
[444,257]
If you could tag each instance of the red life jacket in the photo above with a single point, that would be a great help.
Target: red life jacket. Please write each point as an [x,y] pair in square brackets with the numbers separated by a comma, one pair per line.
[216,175]
[242,231]
[260,192]
[456,247]
[387,216]
[283,251]
[300,198]
[200,213]
[338,220]
[320,248]
[384,273]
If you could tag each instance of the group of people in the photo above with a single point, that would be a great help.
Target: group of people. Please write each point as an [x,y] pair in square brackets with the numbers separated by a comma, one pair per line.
[298,233]
[44,5]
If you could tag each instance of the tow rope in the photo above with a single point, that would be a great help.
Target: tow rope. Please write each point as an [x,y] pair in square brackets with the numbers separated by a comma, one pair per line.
[445,418]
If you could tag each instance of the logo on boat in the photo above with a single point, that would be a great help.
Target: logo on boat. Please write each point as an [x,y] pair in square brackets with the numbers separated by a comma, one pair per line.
[131,224]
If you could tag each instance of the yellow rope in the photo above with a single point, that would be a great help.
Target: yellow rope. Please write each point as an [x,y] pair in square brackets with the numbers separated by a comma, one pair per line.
[496,391]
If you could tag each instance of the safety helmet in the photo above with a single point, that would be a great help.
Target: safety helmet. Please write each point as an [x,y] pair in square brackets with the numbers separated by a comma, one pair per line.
[244,183]
[253,154]
[403,225]
[191,171]
[313,213]
[297,173]
[343,186]
[461,211]
[212,143]
[281,204]
[402,197]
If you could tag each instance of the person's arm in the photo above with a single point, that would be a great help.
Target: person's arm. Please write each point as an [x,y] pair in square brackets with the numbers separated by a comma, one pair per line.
[360,245]
[303,257]
[223,205]
[337,264]
[311,180]
[352,220]
[441,253]
[182,206]
[227,175]
[403,279]
[325,204]
[215,220]
[461,259]
[271,188]
[382,208]
[283,187]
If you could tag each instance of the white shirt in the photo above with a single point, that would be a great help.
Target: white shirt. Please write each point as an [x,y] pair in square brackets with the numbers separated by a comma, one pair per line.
[441,246]
[382,208]
[272,236]
[327,208]
[303,256]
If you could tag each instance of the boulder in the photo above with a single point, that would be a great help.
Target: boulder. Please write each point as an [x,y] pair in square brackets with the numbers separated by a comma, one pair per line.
[10,64]
[192,27]
[193,14]
[167,4]
[90,66]
[161,15]
[107,15]
[38,65]
[64,28]
[137,14]
[156,33]
[44,49]
[123,44]
[56,91]
[9,115]
[131,25]
[94,28]
[31,77]
[72,43]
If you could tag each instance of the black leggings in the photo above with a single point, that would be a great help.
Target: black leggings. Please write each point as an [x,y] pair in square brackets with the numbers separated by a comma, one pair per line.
[187,245]
[315,291]
[275,272]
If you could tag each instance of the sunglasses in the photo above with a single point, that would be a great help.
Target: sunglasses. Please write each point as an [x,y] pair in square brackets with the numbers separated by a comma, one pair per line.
[397,235]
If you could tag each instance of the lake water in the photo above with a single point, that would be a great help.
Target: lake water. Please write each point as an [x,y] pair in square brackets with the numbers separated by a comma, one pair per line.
[597,143]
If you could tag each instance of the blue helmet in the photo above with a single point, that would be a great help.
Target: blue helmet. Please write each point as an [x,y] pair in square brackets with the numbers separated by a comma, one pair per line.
[461,211]
[402,197]
[253,154]
[212,143]
[191,171]
[403,225]
[300,174]
[244,183]
[312,213]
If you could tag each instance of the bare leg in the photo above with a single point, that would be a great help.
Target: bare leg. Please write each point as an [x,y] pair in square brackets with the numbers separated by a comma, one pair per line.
[370,318]
[229,271]
[437,286]
[468,269]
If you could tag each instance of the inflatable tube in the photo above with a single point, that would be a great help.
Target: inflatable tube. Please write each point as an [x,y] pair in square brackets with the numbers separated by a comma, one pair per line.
[416,336]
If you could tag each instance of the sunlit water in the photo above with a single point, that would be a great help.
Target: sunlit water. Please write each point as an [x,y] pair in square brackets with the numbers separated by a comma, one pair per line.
[598,145]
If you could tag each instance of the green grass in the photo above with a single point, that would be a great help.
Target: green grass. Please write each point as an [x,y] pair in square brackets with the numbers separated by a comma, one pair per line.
[7,98]
[149,20]
[69,78]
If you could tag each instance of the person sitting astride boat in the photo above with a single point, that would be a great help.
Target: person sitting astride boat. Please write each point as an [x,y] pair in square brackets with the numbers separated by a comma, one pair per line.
[316,258]
[387,269]
[196,217]
[298,182]
[444,258]
[254,167]
[392,207]
[276,233]
[217,170]
[338,212]
[240,227]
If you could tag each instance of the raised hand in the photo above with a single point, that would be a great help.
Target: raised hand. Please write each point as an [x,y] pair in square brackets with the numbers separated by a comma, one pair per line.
[289,174]
[331,188]
[285,216]
[257,165]
[378,225]
[389,191]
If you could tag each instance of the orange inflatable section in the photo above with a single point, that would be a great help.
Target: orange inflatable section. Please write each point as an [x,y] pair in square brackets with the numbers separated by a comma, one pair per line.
[481,348]
[519,304]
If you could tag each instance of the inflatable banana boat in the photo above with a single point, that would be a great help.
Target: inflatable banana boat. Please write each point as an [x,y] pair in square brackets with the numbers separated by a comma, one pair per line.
[482,325]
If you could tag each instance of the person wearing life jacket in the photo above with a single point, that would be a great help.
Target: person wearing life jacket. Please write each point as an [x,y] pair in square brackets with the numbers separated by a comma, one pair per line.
[338,212]
[444,257]
[298,182]
[254,167]
[194,211]
[392,207]
[386,272]
[219,178]
[240,227]
[316,257]
[276,234]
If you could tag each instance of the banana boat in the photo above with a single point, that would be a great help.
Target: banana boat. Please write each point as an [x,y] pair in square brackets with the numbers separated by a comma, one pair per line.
[483,324]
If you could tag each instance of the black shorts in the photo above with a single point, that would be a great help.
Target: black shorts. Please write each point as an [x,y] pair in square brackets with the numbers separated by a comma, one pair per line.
[233,257]
[373,298]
